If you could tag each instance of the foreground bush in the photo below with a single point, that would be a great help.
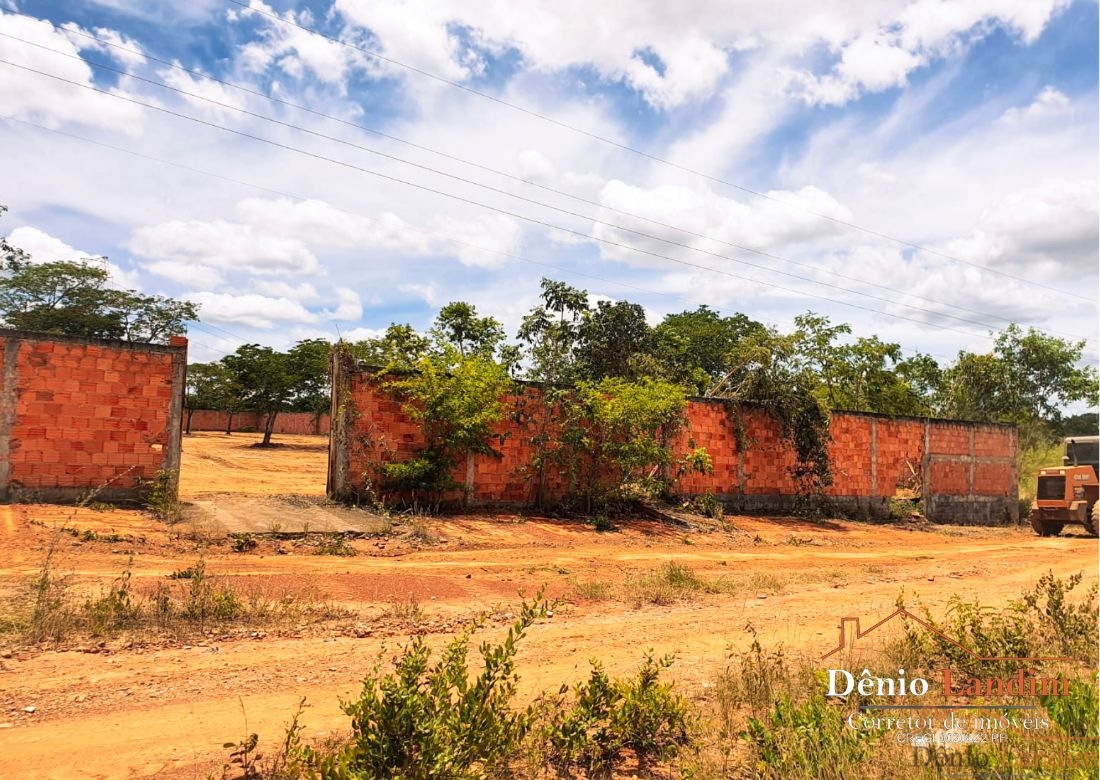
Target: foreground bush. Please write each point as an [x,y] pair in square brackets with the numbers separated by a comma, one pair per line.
[1044,622]
[606,720]
[435,721]
[768,716]
[424,722]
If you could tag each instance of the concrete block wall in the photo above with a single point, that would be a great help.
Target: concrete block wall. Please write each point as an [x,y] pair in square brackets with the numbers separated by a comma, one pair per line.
[294,423]
[80,415]
[963,472]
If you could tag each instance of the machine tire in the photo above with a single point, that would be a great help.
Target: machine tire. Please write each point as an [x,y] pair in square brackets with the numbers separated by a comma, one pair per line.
[1043,528]
[1092,519]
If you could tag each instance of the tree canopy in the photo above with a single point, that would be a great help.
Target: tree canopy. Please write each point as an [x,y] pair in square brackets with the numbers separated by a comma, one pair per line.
[564,342]
[75,298]
[264,380]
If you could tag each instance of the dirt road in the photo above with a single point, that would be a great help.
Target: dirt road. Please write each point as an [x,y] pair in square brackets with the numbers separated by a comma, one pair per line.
[164,709]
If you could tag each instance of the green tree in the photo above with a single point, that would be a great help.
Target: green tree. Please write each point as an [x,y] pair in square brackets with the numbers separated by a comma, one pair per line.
[816,351]
[1084,424]
[1028,378]
[310,367]
[861,375]
[613,340]
[768,369]
[398,349]
[212,386]
[457,324]
[75,298]
[874,377]
[266,380]
[693,346]
[456,399]
[549,335]
[621,430]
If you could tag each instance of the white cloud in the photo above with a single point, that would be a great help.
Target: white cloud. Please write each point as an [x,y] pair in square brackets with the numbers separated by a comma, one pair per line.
[871,63]
[875,173]
[183,272]
[163,12]
[486,239]
[44,248]
[279,289]
[295,51]
[206,94]
[932,24]
[685,62]
[413,31]
[320,224]
[362,334]
[475,241]
[1048,104]
[250,309]
[673,54]
[123,49]
[224,246]
[349,306]
[26,95]
[778,221]
[882,56]
[1054,224]
[534,166]
[425,292]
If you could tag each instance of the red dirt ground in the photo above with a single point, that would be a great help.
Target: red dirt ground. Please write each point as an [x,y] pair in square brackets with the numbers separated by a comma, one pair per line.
[164,709]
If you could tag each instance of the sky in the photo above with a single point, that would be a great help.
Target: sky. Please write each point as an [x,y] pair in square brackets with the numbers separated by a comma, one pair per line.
[925,171]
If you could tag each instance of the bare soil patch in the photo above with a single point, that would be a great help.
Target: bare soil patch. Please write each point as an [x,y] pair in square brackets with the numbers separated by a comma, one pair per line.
[163,708]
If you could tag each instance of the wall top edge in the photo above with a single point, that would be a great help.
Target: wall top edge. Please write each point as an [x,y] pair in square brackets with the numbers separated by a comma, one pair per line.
[8,334]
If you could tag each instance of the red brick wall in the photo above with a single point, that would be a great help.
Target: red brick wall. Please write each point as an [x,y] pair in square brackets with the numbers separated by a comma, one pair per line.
[285,423]
[83,415]
[872,457]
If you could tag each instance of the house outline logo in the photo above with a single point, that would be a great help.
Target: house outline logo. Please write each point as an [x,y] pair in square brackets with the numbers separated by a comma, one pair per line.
[906,614]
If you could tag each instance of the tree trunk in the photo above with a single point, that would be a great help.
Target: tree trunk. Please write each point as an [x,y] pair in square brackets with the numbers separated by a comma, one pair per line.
[187,429]
[229,424]
[269,427]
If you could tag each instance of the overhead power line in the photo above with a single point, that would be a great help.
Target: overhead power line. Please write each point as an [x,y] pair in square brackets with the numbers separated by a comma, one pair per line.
[642,234]
[470,201]
[639,152]
[479,166]
[429,233]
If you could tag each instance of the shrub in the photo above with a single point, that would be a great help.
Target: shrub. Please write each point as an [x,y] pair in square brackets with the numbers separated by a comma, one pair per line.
[163,495]
[618,431]
[1060,625]
[54,614]
[334,544]
[602,524]
[807,740]
[422,721]
[243,543]
[708,505]
[456,399]
[1076,714]
[1043,622]
[605,720]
